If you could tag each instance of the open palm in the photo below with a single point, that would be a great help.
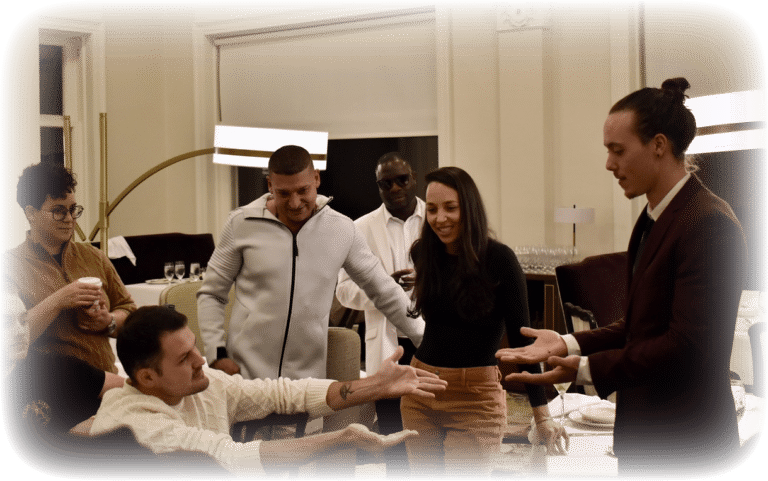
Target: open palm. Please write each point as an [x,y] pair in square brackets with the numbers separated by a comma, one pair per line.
[546,343]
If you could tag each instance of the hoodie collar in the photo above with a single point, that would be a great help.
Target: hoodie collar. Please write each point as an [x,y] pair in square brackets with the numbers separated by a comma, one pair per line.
[258,208]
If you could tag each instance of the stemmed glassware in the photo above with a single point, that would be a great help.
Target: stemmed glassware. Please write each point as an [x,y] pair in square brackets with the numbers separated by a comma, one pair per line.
[543,259]
[561,388]
[168,271]
[194,271]
[179,269]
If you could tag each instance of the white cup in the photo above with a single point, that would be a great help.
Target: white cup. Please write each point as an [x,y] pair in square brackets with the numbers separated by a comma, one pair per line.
[92,280]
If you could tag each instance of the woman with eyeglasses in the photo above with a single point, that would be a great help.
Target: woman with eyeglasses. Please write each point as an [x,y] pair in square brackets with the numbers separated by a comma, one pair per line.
[70,322]
[469,289]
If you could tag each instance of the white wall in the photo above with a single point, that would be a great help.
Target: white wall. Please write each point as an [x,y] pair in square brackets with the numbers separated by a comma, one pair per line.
[150,119]
[521,110]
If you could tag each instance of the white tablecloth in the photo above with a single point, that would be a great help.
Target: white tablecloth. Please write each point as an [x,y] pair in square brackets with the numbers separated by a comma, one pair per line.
[741,355]
[145,294]
[750,311]
[588,455]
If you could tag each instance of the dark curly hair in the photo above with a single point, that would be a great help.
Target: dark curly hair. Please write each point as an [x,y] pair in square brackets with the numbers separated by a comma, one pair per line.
[39,181]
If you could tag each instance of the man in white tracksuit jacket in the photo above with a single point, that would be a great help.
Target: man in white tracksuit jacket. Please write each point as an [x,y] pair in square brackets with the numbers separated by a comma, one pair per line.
[283,253]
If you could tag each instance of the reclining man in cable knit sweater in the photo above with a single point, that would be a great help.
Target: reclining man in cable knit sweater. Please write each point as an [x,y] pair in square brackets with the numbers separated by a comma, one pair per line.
[174,402]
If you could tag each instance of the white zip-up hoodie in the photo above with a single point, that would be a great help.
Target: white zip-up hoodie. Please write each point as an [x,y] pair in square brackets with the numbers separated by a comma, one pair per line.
[284,287]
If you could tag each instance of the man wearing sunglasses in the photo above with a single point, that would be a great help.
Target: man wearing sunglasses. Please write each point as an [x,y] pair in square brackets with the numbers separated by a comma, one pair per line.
[70,363]
[389,231]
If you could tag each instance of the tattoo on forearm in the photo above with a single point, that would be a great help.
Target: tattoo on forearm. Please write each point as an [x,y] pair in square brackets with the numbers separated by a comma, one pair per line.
[345,391]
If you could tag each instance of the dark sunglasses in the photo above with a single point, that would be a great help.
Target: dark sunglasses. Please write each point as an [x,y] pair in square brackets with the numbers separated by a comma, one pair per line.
[400,180]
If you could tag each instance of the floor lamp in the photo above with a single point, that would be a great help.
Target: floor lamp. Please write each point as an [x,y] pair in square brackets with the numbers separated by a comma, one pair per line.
[233,145]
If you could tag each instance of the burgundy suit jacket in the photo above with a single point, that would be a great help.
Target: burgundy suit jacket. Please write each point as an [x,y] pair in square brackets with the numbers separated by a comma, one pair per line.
[668,358]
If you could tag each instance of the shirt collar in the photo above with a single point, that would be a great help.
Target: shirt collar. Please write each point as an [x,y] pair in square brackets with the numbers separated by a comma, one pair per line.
[418,212]
[40,251]
[656,213]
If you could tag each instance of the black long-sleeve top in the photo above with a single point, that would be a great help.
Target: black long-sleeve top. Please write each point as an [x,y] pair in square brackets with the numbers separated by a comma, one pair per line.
[453,341]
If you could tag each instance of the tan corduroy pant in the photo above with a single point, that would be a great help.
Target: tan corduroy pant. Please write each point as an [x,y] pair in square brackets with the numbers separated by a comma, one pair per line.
[461,428]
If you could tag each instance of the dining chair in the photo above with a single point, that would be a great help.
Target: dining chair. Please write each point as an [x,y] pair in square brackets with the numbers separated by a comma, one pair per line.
[595,289]
[757,344]
[183,298]
[593,293]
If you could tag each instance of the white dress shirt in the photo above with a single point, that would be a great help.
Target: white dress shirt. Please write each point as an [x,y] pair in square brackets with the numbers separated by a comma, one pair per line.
[401,235]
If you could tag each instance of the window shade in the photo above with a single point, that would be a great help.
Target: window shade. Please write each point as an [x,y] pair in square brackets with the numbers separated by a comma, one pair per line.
[362,80]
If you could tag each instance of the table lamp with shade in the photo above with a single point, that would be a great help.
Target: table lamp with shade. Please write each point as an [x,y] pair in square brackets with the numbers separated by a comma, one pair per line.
[573,215]
[233,145]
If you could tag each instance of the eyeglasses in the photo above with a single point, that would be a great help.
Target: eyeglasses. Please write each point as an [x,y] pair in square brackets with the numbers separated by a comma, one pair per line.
[400,180]
[60,212]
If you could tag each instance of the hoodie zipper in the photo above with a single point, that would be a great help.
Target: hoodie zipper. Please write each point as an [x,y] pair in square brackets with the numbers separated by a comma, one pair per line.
[290,305]
[293,286]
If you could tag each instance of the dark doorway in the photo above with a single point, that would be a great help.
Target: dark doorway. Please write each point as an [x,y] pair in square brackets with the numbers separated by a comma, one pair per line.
[350,177]
[736,177]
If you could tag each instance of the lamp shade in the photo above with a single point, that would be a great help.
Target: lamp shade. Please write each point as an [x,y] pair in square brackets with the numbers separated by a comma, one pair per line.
[252,146]
[573,215]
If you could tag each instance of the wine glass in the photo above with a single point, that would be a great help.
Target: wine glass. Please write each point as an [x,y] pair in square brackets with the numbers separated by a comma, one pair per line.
[168,271]
[194,271]
[523,257]
[561,388]
[179,269]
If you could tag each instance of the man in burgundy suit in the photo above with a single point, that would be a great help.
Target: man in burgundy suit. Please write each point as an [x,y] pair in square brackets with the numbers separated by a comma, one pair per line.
[668,358]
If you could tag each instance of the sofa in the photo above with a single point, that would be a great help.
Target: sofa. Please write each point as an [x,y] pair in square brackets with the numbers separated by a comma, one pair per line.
[154,250]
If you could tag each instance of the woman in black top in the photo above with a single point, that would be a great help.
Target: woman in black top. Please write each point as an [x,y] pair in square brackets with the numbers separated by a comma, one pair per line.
[468,289]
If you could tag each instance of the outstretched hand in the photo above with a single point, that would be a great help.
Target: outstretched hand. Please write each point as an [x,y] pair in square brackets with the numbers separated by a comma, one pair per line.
[399,380]
[546,343]
[359,436]
[563,370]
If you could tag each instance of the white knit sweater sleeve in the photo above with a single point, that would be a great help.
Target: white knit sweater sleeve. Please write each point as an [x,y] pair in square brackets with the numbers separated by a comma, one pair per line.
[201,422]
[258,398]
[163,435]
[164,429]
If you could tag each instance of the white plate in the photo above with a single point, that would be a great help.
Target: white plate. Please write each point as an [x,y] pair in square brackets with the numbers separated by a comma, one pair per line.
[157,281]
[603,412]
[577,418]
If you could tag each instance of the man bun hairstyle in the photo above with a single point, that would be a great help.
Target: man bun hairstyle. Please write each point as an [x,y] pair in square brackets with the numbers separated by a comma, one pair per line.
[662,111]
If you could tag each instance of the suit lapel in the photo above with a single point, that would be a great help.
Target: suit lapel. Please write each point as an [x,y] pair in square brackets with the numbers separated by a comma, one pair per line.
[659,232]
